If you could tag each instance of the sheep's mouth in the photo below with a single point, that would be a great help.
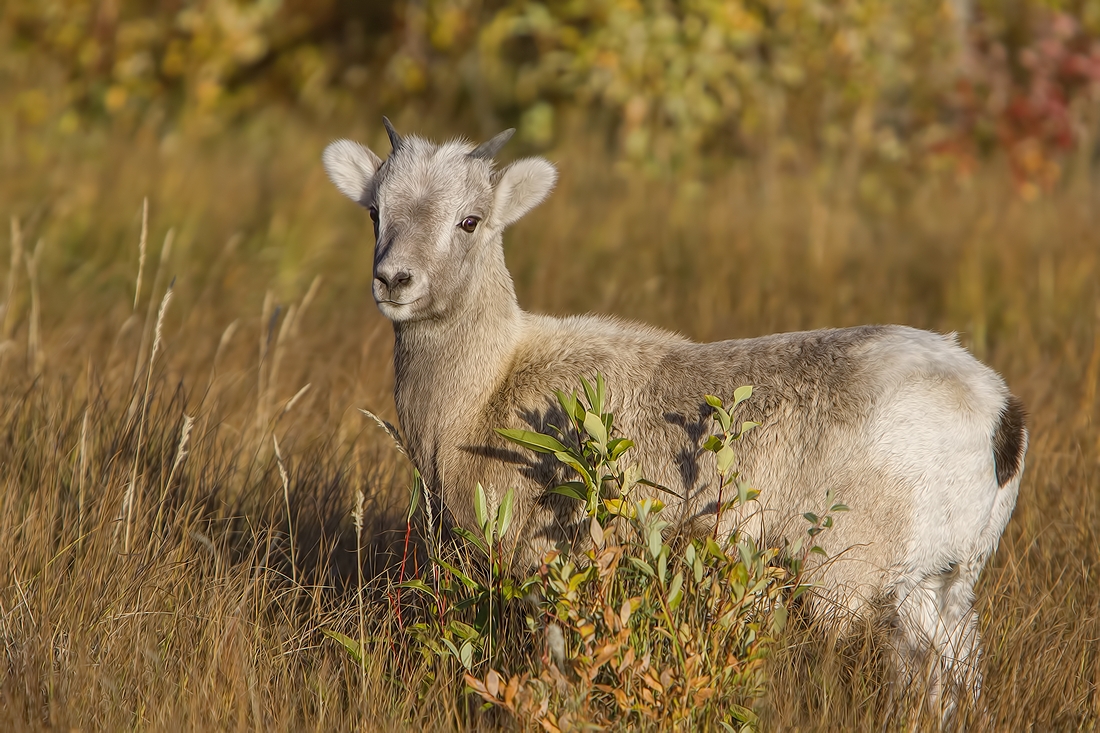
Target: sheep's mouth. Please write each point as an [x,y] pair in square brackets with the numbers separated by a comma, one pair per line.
[397,302]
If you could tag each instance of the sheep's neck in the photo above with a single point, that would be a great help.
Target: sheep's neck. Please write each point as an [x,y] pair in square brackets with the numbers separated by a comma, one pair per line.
[447,370]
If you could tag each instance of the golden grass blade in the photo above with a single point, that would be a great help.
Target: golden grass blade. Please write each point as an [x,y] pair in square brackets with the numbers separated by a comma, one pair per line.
[141,248]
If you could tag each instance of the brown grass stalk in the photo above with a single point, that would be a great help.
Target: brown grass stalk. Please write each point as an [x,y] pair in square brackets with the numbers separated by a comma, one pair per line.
[133,493]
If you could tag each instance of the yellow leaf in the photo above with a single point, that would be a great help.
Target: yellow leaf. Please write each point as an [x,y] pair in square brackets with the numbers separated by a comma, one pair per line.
[510,691]
[703,695]
[605,655]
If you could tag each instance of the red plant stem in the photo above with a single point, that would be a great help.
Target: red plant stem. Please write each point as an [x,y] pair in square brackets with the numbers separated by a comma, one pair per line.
[401,572]
[718,513]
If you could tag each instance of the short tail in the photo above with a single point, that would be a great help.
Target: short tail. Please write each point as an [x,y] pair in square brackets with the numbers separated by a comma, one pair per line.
[1010,440]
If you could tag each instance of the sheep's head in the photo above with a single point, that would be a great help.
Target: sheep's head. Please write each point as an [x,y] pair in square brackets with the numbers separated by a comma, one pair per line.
[438,211]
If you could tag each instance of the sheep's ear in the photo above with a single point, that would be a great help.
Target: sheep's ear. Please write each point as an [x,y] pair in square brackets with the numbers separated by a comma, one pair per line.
[521,187]
[350,167]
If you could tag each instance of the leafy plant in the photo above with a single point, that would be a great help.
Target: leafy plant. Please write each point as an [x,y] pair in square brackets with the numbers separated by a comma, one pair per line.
[594,452]
[643,629]
[638,628]
[466,610]
[722,447]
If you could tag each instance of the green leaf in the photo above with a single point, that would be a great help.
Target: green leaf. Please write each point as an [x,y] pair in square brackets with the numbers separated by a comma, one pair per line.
[642,565]
[481,508]
[819,550]
[743,715]
[450,645]
[725,459]
[746,553]
[659,487]
[569,459]
[723,418]
[618,446]
[537,442]
[744,493]
[741,394]
[418,585]
[471,602]
[590,393]
[713,401]
[748,425]
[471,537]
[572,489]
[463,630]
[655,542]
[779,618]
[811,517]
[713,444]
[594,426]
[601,393]
[568,403]
[504,512]
[675,590]
[466,580]
[351,646]
[466,655]
[839,508]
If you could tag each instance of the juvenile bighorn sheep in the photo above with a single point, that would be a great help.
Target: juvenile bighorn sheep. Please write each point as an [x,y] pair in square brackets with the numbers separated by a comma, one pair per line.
[923,443]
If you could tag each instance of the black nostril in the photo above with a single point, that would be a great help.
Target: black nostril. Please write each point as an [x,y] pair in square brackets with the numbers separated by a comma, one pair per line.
[401,278]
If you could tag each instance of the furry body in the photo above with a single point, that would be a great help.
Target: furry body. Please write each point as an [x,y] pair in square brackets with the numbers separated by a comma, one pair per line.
[920,440]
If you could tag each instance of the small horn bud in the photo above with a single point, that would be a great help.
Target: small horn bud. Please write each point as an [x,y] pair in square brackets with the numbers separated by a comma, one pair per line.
[395,139]
[489,149]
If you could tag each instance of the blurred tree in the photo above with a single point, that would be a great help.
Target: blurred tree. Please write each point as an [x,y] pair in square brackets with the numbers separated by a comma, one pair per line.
[842,81]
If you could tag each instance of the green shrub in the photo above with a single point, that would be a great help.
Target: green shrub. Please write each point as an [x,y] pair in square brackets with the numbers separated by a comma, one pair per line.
[638,628]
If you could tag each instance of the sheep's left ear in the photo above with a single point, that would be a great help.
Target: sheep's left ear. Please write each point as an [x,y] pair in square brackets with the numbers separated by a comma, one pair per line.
[351,168]
[521,187]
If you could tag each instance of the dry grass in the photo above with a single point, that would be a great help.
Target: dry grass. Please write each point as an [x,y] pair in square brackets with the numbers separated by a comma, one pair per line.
[205,623]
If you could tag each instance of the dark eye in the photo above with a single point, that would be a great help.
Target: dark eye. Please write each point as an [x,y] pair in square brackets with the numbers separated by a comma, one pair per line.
[469,223]
[374,214]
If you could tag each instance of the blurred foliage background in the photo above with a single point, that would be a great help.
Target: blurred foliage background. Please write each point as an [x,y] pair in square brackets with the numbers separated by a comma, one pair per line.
[855,85]
[728,168]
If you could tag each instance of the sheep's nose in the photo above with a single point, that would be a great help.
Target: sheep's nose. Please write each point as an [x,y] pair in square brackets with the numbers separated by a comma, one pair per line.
[397,280]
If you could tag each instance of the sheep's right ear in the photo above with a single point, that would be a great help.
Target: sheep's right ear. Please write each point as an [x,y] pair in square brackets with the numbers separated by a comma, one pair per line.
[351,167]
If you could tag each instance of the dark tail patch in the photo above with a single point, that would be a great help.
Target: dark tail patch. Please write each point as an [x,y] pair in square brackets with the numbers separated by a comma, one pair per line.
[1008,440]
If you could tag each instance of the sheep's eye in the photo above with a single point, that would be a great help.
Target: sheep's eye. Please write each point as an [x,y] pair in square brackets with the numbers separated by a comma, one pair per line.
[469,223]
[374,214]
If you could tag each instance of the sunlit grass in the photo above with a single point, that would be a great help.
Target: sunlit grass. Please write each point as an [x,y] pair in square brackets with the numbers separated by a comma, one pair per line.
[271,335]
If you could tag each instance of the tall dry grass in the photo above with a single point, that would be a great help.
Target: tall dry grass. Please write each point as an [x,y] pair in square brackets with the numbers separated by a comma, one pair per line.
[116,423]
